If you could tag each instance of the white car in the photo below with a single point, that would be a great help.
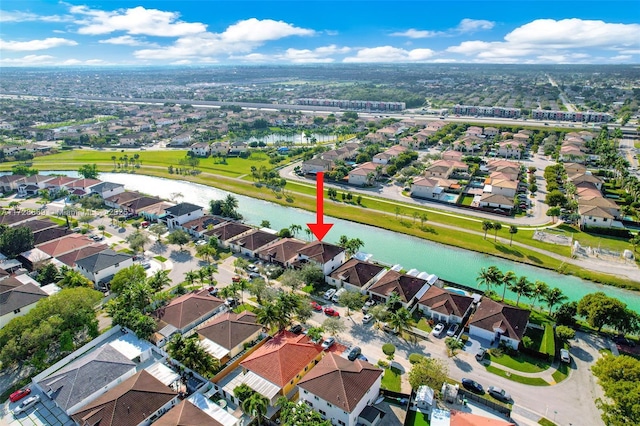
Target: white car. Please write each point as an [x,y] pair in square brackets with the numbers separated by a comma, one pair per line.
[564,356]
[438,329]
[328,342]
[26,404]
[329,293]
[367,318]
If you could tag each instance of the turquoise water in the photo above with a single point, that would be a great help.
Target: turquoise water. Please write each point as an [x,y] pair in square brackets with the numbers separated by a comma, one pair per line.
[449,198]
[450,263]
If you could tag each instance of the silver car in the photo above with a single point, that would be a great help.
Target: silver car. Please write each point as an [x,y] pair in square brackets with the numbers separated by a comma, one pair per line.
[26,404]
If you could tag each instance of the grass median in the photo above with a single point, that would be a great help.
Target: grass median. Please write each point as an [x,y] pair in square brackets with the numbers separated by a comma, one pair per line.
[531,381]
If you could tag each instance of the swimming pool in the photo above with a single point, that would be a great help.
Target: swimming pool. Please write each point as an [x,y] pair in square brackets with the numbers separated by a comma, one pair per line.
[456,290]
[449,198]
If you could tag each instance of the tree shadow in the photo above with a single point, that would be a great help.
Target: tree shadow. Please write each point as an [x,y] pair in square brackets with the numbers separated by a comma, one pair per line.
[180,256]
[462,364]
[158,248]
[507,250]
[581,354]
[534,259]
[428,230]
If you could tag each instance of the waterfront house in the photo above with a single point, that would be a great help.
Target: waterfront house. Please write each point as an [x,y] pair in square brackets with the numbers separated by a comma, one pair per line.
[355,275]
[407,287]
[182,213]
[495,321]
[444,306]
[327,256]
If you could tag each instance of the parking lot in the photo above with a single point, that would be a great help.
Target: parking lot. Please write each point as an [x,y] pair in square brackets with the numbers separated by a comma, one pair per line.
[43,413]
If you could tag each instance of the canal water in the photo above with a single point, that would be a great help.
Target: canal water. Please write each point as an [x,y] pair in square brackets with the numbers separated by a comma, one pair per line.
[450,263]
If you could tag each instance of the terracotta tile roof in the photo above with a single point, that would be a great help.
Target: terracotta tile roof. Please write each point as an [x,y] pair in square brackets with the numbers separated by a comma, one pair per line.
[404,285]
[282,358]
[186,414]
[254,240]
[458,418]
[83,183]
[445,302]
[228,230]
[341,382]
[71,257]
[187,308]
[123,197]
[492,315]
[66,244]
[356,272]
[230,330]
[43,236]
[129,403]
[202,223]
[282,251]
[320,251]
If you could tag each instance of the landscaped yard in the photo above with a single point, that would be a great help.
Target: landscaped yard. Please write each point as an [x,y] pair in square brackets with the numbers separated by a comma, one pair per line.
[533,381]
[561,373]
[415,418]
[391,379]
[521,362]
[423,325]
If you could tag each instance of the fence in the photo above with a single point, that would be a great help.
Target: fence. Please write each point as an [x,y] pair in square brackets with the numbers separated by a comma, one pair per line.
[500,408]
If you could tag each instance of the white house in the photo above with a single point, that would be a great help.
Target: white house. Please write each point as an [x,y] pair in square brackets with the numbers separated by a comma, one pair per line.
[182,213]
[101,267]
[424,187]
[327,256]
[495,321]
[443,305]
[339,389]
[107,189]
[355,275]
[17,298]
[200,149]
[595,216]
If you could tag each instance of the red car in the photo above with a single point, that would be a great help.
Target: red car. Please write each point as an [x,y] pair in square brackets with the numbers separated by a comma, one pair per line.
[236,279]
[19,394]
[331,312]
[316,306]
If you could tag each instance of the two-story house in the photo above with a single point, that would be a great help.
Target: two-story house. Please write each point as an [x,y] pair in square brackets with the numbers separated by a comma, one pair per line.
[182,213]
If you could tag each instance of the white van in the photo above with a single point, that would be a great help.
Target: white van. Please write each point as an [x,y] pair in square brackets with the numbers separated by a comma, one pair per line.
[336,296]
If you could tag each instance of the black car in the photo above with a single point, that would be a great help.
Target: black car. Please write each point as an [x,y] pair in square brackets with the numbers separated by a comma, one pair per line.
[297,329]
[472,385]
[353,353]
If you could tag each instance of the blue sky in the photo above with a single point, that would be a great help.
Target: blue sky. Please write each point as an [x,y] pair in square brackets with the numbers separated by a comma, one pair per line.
[101,33]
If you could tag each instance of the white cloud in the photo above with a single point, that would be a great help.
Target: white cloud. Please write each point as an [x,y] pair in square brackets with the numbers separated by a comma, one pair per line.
[137,21]
[71,62]
[127,40]
[27,60]
[181,62]
[471,25]
[552,41]
[621,58]
[19,16]
[390,54]
[320,54]
[413,33]
[47,43]
[254,30]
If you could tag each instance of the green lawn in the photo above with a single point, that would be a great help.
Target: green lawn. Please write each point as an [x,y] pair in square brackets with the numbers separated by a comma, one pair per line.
[244,307]
[521,362]
[160,258]
[561,373]
[532,381]
[466,200]
[546,422]
[391,379]
[416,419]
[548,341]
[424,325]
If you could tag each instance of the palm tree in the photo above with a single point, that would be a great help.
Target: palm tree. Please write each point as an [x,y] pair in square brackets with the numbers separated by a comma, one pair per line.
[540,288]
[486,226]
[69,278]
[507,281]
[635,241]
[512,230]
[393,301]
[400,320]
[159,279]
[202,275]
[488,277]
[554,297]
[295,229]
[521,287]
[496,227]
[269,315]
[255,406]
[190,277]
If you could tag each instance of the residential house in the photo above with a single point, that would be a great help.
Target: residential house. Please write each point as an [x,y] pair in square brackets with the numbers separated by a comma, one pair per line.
[315,165]
[238,147]
[425,187]
[282,252]
[364,174]
[586,177]
[410,142]
[573,169]
[276,367]
[340,389]
[386,156]
[118,200]
[83,185]
[10,183]
[102,266]
[182,139]
[156,211]
[182,213]
[86,378]
[14,217]
[521,137]
[496,321]
[355,275]
[197,227]
[139,400]
[132,139]
[107,189]
[506,187]
[220,148]
[71,257]
[451,155]
[251,242]
[197,411]
[224,337]
[200,149]
[187,312]
[39,225]
[444,306]
[474,131]
[510,148]
[31,185]
[227,231]
[140,204]
[328,256]
[17,298]
[63,245]
[490,132]
[572,153]
[496,201]
[407,288]
[595,216]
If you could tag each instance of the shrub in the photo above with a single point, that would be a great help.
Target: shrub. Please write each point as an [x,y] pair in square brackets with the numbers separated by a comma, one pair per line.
[415,358]
[383,364]
[527,342]
[388,349]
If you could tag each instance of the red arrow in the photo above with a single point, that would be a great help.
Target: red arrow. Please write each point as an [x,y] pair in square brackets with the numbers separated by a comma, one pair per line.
[319,228]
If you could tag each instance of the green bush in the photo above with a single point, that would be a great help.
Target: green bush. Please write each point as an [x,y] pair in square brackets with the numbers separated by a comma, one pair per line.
[415,358]
[383,364]
[527,341]
[388,349]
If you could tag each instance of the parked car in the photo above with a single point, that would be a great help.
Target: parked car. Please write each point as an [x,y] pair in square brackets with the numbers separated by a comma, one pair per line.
[19,394]
[328,342]
[26,404]
[387,328]
[214,291]
[331,312]
[236,278]
[297,329]
[201,242]
[145,264]
[482,352]
[369,303]
[452,330]
[231,302]
[252,268]
[329,293]
[367,318]
[472,385]
[254,275]
[353,353]
[499,393]
[564,356]
[316,306]
[438,329]
[362,358]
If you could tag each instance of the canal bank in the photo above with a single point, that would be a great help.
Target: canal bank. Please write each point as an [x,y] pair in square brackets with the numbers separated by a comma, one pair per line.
[450,263]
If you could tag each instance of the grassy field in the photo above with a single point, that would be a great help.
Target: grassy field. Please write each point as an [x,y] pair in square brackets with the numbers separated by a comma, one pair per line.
[522,362]
[391,379]
[416,419]
[531,381]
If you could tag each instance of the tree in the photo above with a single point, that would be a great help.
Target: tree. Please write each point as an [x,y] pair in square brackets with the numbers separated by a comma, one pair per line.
[400,319]
[389,350]
[539,289]
[333,326]
[158,229]
[285,233]
[14,241]
[242,392]
[635,241]
[564,333]
[137,241]
[190,352]
[507,281]
[70,278]
[619,377]
[192,276]
[512,231]
[292,278]
[258,287]
[255,406]
[565,314]
[496,226]
[292,413]
[89,171]
[178,237]
[553,212]
[47,274]
[295,229]
[269,315]
[429,371]
[554,297]
[207,252]
[126,277]
[555,198]
[489,277]
[453,345]
[600,310]
[265,224]
[353,245]
[159,279]
[487,225]
[315,333]
[353,300]
[522,287]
